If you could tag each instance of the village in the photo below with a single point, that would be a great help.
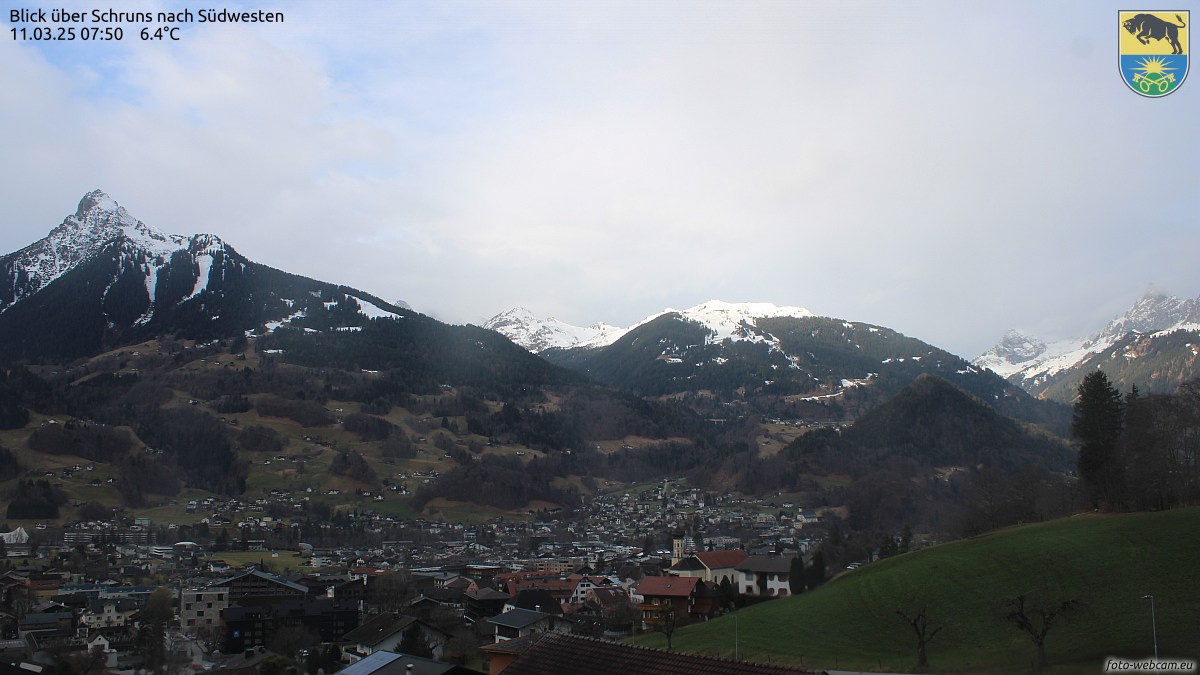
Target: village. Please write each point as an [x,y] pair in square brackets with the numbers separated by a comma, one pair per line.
[248,586]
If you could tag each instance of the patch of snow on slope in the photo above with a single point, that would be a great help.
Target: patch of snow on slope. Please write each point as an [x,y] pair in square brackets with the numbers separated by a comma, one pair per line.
[272,325]
[1172,329]
[151,272]
[372,311]
[205,262]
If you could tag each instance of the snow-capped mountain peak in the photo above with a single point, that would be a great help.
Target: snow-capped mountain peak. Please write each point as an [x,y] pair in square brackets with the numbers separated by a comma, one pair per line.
[98,223]
[1014,351]
[1031,364]
[111,277]
[1154,311]
[735,320]
[722,319]
[536,334]
[99,218]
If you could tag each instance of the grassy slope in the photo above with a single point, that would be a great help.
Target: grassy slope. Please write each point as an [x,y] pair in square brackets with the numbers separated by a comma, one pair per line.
[1108,562]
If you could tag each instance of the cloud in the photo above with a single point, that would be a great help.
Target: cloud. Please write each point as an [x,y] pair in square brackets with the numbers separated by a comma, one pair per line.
[898,164]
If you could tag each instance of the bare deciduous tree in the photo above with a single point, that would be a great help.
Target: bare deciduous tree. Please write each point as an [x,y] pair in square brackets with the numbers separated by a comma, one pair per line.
[925,632]
[1035,617]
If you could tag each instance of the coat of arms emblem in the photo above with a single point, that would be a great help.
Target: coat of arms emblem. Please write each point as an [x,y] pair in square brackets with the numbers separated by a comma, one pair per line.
[1153,50]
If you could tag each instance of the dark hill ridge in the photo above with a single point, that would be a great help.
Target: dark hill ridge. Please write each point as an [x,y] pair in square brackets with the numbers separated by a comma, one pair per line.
[930,424]
[935,423]
[419,351]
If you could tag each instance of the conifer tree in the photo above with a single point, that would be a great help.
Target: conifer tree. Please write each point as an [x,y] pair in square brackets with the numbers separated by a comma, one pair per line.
[796,575]
[816,571]
[1096,425]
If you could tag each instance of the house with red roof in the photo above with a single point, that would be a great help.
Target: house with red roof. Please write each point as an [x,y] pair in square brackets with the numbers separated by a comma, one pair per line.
[690,598]
[711,566]
[583,584]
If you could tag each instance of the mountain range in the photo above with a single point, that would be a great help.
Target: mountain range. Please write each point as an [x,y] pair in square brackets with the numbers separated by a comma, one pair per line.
[779,361]
[102,278]
[1154,345]
[181,344]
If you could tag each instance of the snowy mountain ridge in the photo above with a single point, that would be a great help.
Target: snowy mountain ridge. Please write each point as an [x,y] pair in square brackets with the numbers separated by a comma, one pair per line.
[99,221]
[1030,363]
[102,277]
[723,320]
[536,334]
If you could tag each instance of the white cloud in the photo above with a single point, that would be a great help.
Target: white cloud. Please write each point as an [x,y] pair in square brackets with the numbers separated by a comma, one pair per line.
[899,164]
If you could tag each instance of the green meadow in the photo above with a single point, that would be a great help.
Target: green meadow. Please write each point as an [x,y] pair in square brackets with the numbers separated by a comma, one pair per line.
[1105,562]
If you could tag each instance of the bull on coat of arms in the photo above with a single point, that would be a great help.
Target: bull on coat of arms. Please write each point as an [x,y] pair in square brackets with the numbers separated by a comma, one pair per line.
[1153,50]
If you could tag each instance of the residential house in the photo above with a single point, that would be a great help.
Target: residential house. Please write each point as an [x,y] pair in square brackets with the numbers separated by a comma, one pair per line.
[809,517]
[558,587]
[36,622]
[45,584]
[518,623]
[113,641]
[613,610]
[765,576]
[108,612]
[584,584]
[536,599]
[390,632]
[711,566]
[484,602]
[500,655]
[690,598]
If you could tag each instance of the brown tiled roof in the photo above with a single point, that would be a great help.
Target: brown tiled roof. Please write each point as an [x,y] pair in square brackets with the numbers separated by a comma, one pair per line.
[486,593]
[557,654]
[513,646]
[554,585]
[379,629]
[768,564]
[714,560]
[609,597]
[667,586]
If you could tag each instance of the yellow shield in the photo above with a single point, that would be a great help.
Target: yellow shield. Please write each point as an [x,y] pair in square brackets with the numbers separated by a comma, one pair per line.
[1153,50]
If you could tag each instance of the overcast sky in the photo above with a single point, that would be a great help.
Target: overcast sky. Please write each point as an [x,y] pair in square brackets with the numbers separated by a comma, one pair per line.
[950,170]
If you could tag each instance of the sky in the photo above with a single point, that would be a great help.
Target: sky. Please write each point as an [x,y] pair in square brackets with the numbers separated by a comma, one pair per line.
[947,169]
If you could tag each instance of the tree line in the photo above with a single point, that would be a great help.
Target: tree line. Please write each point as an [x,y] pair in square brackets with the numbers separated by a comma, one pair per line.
[1137,451]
